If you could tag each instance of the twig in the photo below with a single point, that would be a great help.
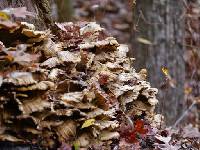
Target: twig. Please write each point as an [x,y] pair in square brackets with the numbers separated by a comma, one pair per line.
[184,114]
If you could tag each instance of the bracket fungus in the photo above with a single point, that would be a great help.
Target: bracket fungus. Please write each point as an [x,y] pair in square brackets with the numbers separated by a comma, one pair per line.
[73,78]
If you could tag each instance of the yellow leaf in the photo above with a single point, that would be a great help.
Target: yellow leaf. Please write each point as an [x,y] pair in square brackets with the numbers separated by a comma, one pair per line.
[4,16]
[188,90]
[10,58]
[144,41]
[165,71]
[76,146]
[88,123]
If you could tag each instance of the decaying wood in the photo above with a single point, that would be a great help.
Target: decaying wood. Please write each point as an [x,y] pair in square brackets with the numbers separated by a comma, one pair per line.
[65,85]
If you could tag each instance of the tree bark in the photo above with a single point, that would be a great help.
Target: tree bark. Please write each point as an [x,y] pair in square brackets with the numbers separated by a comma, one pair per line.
[63,10]
[40,7]
[162,22]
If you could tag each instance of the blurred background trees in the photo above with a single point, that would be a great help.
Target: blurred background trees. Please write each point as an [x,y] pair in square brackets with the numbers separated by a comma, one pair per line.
[62,10]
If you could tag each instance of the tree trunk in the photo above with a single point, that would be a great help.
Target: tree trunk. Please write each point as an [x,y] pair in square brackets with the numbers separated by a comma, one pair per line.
[62,10]
[41,21]
[162,22]
[40,7]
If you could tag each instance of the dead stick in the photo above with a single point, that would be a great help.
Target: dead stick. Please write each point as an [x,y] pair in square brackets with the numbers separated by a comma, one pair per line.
[184,114]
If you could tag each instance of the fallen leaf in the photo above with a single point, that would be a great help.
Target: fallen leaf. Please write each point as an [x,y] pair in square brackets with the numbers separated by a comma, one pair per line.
[144,41]
[188,90]
[191,132]
[165,71]
[88,123]
[76,146]
[4,16]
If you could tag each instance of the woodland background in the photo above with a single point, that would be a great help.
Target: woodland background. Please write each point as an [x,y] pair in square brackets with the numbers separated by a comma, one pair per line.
[163,36]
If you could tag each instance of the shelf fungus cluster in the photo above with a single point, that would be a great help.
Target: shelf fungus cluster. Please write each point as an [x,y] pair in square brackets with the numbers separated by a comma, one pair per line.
[67,87]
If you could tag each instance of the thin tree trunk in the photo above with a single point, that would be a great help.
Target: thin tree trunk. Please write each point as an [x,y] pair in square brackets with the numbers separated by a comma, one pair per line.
[162,22]
[64,10]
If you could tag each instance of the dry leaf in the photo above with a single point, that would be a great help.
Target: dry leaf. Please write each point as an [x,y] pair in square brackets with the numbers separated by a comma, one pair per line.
[4,16]
[144,41]
[165,71]
[88,123]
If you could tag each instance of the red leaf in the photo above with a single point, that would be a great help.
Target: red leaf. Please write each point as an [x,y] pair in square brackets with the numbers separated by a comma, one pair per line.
[139,127]
[131,137]
[103,79]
